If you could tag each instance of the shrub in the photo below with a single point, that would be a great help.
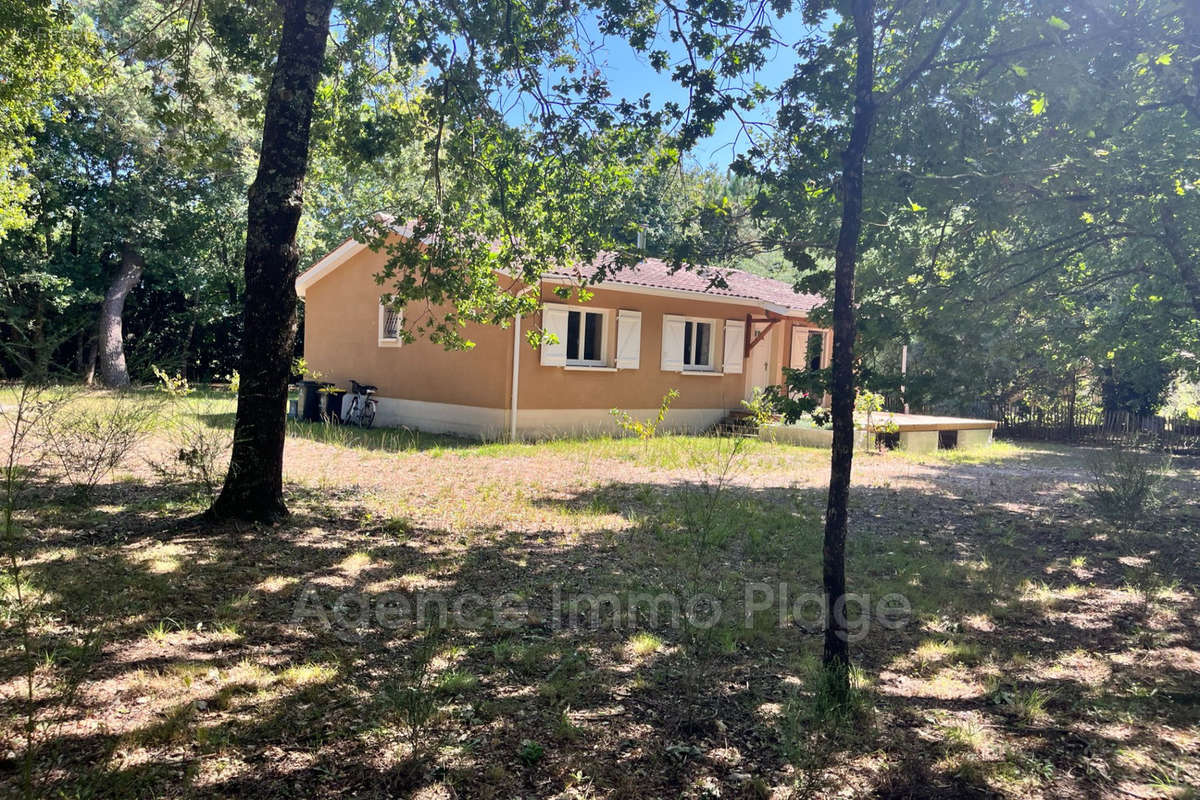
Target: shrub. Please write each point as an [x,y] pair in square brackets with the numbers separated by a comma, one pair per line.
[1125,482]
[761,407]
[90,441]
[171,385]
[199,455]
[645,429]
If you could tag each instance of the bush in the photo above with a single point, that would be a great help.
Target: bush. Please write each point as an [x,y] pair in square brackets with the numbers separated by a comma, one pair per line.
[1126,483]
[644,429]
[90,441]
[200,454]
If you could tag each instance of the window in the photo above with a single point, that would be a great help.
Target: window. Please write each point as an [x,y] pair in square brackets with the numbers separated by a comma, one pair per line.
[815,350]
[390,321]
[585,338]
[697,344]
[689,345]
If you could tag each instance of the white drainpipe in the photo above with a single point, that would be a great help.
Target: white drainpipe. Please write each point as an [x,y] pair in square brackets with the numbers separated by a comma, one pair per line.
[516,376]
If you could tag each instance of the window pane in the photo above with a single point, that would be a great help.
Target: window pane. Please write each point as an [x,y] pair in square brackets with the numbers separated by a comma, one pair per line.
[703,340]
[593,325]
[687,343]
[391,323]
[816,342]
[573,335]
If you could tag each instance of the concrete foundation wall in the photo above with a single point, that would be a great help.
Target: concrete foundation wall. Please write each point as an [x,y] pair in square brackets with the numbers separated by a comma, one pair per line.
[807,437]
[919,441]
[979,437]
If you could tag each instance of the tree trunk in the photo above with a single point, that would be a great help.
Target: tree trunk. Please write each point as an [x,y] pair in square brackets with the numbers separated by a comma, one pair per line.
[113,373]
[253,488]
[1189,272]
[87,370]
[837,645]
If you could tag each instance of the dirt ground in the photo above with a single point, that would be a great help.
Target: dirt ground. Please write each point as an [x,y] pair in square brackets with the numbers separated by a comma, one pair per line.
[443,618]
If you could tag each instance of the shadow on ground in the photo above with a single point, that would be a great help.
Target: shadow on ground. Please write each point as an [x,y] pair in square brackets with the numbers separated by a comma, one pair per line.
[1045,652]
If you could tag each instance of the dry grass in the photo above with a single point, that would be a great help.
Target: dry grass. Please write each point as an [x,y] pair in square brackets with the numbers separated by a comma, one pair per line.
[1049,653]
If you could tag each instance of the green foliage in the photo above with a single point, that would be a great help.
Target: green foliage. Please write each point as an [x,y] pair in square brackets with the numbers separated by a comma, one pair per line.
[412,694]
[645,429]
[800,396]
[868,404]
[761,407]
[147,152]
[530,752]
[171,385]
[199,451]
[89,441]
[1126,483]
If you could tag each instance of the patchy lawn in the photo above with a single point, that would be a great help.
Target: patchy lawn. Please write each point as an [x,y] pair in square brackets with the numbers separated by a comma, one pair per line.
[1045,652]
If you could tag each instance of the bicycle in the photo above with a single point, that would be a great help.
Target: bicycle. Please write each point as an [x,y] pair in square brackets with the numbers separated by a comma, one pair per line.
[362,405]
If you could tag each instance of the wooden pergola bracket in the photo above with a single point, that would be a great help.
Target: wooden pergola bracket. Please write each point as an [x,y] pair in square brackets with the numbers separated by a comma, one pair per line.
[751,340]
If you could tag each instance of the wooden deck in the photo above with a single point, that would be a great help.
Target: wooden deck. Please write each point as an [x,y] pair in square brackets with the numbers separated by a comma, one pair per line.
[883,420]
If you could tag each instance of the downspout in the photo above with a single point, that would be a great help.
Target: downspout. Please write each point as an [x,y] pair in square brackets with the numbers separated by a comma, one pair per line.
[516,375]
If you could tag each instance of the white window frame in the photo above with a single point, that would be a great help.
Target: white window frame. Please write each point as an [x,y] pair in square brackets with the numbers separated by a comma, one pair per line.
[390,341]
[605,315]
[712,345]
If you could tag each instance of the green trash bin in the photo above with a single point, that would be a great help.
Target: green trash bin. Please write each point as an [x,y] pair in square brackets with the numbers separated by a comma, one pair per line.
[310,401]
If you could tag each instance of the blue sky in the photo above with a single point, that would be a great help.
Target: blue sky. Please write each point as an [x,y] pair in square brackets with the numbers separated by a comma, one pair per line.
[631,76]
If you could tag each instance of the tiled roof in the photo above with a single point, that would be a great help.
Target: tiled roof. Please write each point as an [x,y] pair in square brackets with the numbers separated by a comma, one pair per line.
[650,273]
[655,273]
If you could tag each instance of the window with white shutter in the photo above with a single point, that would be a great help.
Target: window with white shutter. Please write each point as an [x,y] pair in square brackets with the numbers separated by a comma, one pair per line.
[629,339]
[554,335]
[672,343]
[735,343]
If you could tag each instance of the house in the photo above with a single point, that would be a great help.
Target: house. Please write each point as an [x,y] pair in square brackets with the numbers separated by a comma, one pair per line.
[646,330]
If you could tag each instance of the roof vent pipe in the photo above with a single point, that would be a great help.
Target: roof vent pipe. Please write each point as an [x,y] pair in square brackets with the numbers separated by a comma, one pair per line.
[641,240]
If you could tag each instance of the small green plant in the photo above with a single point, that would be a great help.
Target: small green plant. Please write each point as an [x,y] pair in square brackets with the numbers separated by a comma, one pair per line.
[868,404]
[413,695]
[530,752]
[300,369]
[761,407]
[822,720]
[199,455]
[171,385]
[1126,483]
[799,398]
[235,381]
[645,429]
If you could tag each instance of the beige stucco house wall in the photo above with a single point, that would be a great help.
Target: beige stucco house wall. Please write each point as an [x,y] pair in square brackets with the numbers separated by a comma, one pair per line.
[471,392]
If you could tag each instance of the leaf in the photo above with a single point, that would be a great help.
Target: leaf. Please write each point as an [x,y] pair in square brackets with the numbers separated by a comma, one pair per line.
[1019,70]
[1087,217]
[914,206]
[1058,22]
[1164,59]
[1037,103]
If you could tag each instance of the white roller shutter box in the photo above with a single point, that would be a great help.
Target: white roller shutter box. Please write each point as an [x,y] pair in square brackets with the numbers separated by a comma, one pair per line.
[554,321]
[672,343]
[629,339]
[735,343]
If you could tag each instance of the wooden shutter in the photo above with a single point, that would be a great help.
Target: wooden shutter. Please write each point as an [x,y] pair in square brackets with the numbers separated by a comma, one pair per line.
[672,343]
[735,344]
[629,339]
[554,321]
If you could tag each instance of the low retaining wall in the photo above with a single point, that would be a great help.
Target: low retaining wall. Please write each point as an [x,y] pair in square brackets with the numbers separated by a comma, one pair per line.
[912,441]
[807,437]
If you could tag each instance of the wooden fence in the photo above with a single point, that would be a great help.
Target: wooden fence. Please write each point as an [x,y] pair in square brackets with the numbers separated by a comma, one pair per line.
[1063,424]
